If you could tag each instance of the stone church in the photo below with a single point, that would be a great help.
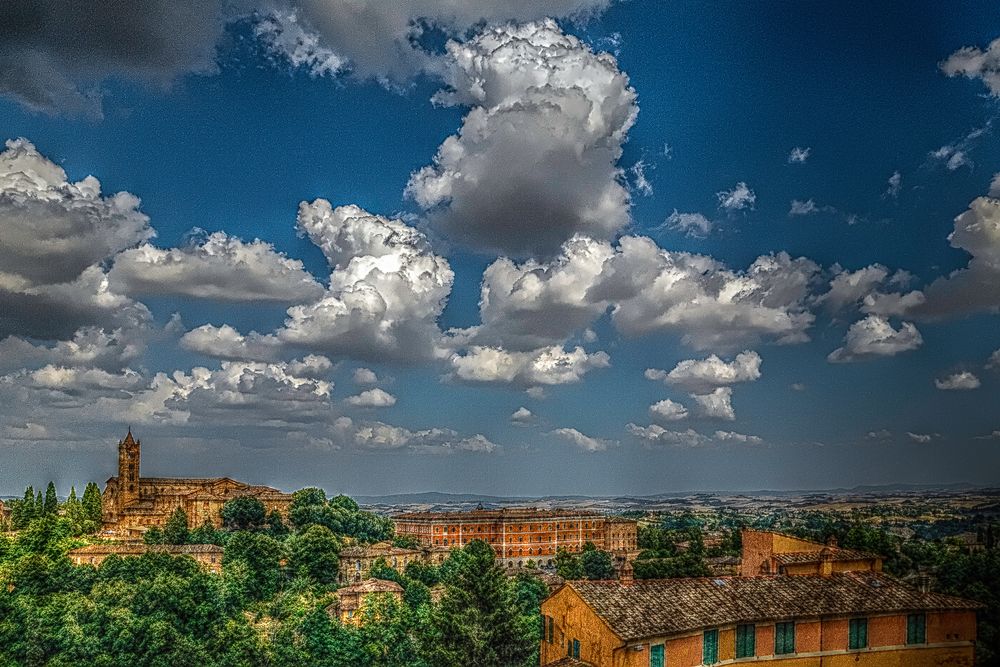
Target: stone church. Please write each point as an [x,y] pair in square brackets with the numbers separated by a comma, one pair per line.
[132,504]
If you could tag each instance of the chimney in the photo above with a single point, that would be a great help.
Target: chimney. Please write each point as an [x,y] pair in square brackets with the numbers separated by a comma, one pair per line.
[625,575]
[826,562]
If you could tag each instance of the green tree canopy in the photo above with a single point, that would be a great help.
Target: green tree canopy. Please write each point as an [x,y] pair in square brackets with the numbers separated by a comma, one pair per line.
[244,513]
[175,531]
[315,554]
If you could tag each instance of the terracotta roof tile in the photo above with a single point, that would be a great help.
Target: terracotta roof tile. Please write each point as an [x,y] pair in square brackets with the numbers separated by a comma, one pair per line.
[655,607]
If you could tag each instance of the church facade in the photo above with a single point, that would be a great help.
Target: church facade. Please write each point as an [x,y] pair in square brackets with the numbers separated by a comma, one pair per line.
[132,504]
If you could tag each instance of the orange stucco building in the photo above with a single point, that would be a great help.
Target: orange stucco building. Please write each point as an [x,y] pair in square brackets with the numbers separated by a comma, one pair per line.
[865,619]
[132,504]
[768,552]
[796,604]
[520,535]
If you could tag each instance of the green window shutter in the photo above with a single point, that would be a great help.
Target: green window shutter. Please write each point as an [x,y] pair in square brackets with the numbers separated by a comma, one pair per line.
[552,629]
[916,629]
[657,655]
[784,638]
[576,648]
[746,641]
[710,647]
[857,634]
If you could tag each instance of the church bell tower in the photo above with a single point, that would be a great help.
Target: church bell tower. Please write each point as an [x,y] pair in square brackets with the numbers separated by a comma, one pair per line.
[128,469]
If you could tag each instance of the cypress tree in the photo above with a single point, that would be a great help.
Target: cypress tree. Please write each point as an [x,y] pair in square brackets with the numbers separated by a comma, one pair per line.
[477,621]
[92,503]
[39,505]
[51,500]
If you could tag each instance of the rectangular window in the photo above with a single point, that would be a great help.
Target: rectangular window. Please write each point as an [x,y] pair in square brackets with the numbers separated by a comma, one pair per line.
[746,641]
[576,649]
[552,629]
[710,647]
[916,629]
[657,655]
[784,638]
[857,633]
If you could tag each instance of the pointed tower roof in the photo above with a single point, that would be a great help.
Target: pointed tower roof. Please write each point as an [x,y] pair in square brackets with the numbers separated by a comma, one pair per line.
[128,438]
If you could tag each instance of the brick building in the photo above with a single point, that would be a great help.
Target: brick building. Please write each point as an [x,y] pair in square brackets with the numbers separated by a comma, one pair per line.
[132,504]
[766,552]
[351,598]
[799,604]
[356,561]
[520,535]
[208,555]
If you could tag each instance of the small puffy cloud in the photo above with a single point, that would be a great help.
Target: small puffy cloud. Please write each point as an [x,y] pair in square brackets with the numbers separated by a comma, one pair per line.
[740,198]
[584,442]
[667,411]
[975,63]
[798,207]
[922,438]
[741,438]
[799,155]
[704,375]
[372,398]
[535,160]
[995,435]
[895,185]
[522,416]
[364,376]
[881,434]
[225,342]
[976,287]
[958,381]
[798,386]
[219,267]
[716,404]
[994,360]
[546,366]
[640,183]
[379,436]
[874,336]
[872,289]
[952,156]
[694,225]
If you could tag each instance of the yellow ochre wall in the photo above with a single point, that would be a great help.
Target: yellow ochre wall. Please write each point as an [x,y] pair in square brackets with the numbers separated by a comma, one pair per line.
[950,637]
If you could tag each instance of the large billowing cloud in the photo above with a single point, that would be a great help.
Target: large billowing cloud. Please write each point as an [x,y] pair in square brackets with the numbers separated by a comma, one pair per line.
[976,63]
[219,267]
[379,39]
[387,289]
[874,336]
[54,234]
[54,55]
[51,229]
[648,289]
[535,160]
[975,288]
[709,305]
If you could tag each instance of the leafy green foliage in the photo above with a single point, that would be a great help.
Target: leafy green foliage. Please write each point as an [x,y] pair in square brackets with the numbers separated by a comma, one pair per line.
[175,531]
[340,514]
[477,621]
[260,557]
[315,554]
[244,513]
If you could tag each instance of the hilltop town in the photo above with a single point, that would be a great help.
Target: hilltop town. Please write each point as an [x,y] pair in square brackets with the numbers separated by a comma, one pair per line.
[864,575]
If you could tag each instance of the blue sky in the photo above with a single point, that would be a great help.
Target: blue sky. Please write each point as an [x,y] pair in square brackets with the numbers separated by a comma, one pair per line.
[742,209]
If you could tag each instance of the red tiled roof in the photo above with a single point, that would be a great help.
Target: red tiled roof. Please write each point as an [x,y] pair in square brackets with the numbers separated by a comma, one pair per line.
[835,553]
[655,607]
[138,548]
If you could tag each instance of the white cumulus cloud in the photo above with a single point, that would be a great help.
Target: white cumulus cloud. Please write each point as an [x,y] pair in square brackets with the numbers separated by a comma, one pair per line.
[874,336]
